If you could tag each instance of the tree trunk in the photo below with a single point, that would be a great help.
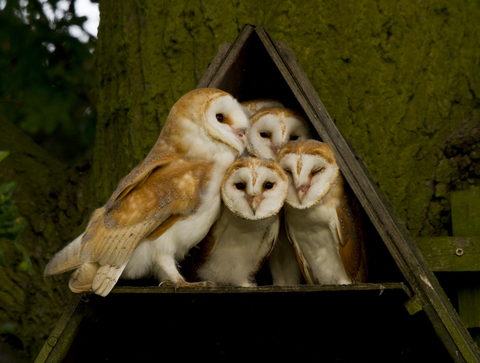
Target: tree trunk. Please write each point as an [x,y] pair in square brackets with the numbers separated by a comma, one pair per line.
[400,78]
[53,199]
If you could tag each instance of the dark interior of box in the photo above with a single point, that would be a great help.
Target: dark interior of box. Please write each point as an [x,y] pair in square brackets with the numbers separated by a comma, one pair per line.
[348,326]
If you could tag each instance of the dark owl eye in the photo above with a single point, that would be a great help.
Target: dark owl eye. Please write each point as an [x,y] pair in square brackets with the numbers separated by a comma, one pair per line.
[294,137]
[268,185]
[219,117]
[240,186]
[264,135]
[319,170]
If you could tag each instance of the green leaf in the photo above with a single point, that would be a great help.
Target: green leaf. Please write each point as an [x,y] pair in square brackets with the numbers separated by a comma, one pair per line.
[3,154]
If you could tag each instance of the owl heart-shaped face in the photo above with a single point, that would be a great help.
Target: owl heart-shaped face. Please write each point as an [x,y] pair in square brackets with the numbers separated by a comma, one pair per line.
[254,188]
[206,122]
[271,128]
[311,171]
[225,121]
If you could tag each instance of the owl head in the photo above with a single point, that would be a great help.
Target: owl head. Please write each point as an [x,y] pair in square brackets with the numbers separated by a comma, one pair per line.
[254,188]
[271,128]
[202,116]
[311,170]
[253,106]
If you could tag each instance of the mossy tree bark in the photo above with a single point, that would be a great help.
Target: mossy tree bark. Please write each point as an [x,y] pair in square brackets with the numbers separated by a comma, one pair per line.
[400,78]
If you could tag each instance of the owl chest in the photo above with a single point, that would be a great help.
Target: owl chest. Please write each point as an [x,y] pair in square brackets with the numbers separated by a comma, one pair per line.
[244,239]
[239,250]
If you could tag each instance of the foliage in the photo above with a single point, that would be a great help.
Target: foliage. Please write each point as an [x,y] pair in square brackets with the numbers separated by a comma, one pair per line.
[11,224]
[46,75]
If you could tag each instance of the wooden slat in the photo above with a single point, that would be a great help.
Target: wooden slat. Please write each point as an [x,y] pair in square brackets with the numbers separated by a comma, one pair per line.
[409,259]
[58,331]
[466,222]
[213,79]
[466,212]
[451,253]
[376,288]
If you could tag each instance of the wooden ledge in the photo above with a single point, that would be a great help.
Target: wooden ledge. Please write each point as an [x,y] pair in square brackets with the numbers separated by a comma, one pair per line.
[374,288]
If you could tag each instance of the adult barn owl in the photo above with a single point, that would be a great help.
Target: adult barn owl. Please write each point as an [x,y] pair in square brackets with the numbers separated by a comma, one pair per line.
[253,106]
[253,192]
[271,128]
[322,216]
[166,204]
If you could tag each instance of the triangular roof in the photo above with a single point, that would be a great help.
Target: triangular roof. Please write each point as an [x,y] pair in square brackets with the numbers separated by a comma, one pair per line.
[271,70]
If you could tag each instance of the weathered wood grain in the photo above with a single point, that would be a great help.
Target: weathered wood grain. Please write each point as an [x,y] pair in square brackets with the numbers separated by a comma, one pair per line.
[451,253]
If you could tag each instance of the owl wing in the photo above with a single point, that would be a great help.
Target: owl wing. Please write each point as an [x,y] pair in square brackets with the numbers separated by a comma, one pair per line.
[145,207]
[350,236]
[269,240]
[148,201]
[303,264]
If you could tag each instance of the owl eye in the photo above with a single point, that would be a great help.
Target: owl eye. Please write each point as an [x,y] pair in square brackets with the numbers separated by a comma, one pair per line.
[219,117]
[240,186]
[264,135]
[316,171]
[268,185]
[294,137]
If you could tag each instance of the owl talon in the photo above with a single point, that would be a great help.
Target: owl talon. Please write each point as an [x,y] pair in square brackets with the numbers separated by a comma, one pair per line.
[167,283]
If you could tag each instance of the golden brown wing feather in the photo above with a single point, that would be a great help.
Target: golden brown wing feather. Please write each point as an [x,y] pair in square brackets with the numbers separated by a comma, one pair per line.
[159,191]
[351,235]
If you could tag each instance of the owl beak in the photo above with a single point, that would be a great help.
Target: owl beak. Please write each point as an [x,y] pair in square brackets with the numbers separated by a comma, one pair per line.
[254,202]
[301,191]
[241,135]
[275,150]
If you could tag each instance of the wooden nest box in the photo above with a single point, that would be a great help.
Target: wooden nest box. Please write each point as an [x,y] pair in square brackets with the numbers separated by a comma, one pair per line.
[401,315]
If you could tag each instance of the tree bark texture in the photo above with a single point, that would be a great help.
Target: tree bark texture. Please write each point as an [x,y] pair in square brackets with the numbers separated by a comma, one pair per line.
[401,79]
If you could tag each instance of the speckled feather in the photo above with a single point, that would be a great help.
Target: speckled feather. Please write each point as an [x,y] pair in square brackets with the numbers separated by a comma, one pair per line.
[169,187]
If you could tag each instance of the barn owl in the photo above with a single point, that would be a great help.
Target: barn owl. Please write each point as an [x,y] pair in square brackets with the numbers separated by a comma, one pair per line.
[271,128]
[322,215]
[253,192]
[253,106]
[166,204]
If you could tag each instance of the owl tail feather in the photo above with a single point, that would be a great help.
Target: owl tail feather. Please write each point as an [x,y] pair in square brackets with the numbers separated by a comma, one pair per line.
[66,259]
[106,278]
[82,278]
